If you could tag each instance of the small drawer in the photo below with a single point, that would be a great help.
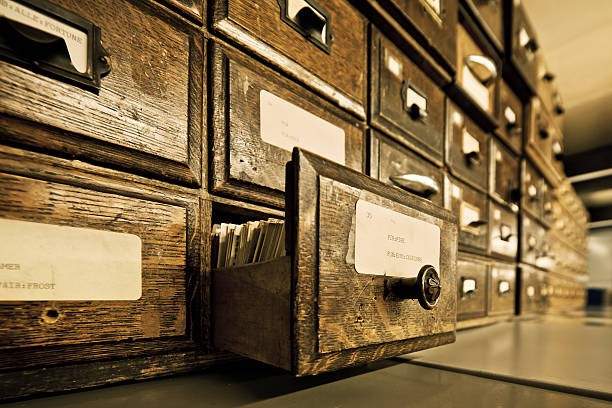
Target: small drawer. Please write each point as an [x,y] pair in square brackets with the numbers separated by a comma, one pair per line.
[502,287]
[511,122]
[504,174]
[534,241]
[322,43]
[491,15]
[436,23]
[467,148]
[258,117]
[532,282]
[541,133]
[557,154]
[471,288]
[546,212]
[470,207]
[394,164]
[354,286]
[531,196]
[549,93]
[404,101]
[524,45]
[477,72]
[503,231]
[146,115]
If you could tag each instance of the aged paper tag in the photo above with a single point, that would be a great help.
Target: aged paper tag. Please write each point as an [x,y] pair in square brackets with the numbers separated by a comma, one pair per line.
[393,244]
[475,88]
[285,125]
[470,143]
[51,262]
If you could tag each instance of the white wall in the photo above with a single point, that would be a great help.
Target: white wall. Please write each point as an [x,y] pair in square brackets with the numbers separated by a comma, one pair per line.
[600,258]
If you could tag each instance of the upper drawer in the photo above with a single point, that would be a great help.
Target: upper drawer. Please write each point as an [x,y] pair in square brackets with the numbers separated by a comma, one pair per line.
[477,72]
[502,286]
[147,114]
[546,211]
[322,44]
[524,45]
[535,247]
[471,288]
[259,116]
[548,91]
[511,123]
[532,282]
[504,177]
[503,227]
[541,133]
[404,101]
[394,164]
[436,22]
[371,274]
[470,206]
[467,148]
[531,194]
[490,12]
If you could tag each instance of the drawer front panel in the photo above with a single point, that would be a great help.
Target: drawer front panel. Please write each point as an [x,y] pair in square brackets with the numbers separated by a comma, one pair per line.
[323,44]
[470,207]
[491,13]
[467,148]
[525,47]
[546,212]
[504,177]
[162,228]
[535,248]
[404,101]
[249,154]
[530,298]
[471,289]
[542,132]
[502,286]
[503,231]
[390,160]
[147,115]
[477,72]
[531,195]
[511,123]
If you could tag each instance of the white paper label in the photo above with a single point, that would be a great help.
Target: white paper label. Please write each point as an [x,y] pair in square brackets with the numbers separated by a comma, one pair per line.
[504,287]
[496,214]
[286,126]
[435,5]
[393,65]
[76,40]
[415,98]
[457,118]
[475,88]
[50,262]
[530,291]
[523,37]
[498,156]
[469,285]
[510,115]
[470,143]
[393,244]
[456,191]
[469,214]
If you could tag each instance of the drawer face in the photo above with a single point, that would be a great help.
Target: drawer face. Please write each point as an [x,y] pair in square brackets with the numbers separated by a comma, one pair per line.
[542,131]
[504,177]
[404,101]
[476,72]
[546,213]
[390,159]
[503,230]
[147,115]
[533,241]
[511,123]
[502,286]
[470,207]
[162,228]
[467,148]
[549,93]
[253,141]
[436,20]
[534,290]
[524,46]
[557,153]
[334,54]
[471,288]
[531,194]
[491,13]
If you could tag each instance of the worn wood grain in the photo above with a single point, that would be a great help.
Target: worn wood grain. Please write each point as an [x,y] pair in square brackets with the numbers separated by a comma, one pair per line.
[258,26]
[151,102]
[388,105]
[458,198]
[489,13]
[503,231]
[504,183]
[471,304]
[473,172]
[194,9]
[501,303]
[394,160]
[243,165]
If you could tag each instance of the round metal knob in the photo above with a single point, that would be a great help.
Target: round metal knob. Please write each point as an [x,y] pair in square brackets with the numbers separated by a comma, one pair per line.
[426,287]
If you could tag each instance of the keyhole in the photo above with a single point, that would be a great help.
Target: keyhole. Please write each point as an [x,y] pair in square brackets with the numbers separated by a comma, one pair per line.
[50,316]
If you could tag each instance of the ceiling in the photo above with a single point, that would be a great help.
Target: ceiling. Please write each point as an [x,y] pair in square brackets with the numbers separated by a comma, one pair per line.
[576,39]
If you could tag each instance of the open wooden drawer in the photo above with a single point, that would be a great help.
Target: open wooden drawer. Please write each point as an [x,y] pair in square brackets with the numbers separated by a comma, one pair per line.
[369,274]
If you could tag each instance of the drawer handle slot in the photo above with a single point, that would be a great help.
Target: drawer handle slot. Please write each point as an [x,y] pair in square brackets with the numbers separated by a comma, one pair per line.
[515,192]
[55,41]
[532,242]
[532,192]
[503,288]
[418,184]
[473,158]
[310,20]
[469,287]
[426,287]
[543,132]
[548,76]
[505,232]
[483,68]
[415,102]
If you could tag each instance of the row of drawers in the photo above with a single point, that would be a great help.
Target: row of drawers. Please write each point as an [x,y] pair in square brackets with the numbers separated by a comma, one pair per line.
[544,291]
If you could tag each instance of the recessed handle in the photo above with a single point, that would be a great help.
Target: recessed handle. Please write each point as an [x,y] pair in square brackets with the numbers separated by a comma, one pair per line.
[418,184]
[503,288]
[415,102]
[477,223]
[544,132]
[310,20]
[468,287]
[482,67]
[548,76]
[426,287]
[505,232]
[514,192]
[473,158]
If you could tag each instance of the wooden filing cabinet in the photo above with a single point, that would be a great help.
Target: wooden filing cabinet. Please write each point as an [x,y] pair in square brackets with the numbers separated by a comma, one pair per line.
[471,288]
[252,141]
[404,101]
[503,231]
[504,182]
[490,14]
[523,47]
[502,289]
[511,123]
[312,42]
[533,296]
[531,194]
[470,207]
[332,303]
[147,117]
[397,165]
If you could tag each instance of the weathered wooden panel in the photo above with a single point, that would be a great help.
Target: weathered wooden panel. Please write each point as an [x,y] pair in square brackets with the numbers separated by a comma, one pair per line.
[490,13]
[471,288]
[504,181]
[502,289]
[511,119]
[470,207]
[147,116]
[195,9]
[503,231]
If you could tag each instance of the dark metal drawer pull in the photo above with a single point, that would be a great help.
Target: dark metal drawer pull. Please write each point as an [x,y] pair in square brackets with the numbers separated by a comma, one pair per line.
[482,67]
[310,20]
[477,223]
[426,287]
[505,232]
[473,158]
[415,102]
[417,184]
